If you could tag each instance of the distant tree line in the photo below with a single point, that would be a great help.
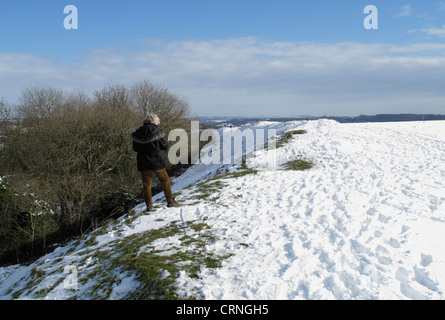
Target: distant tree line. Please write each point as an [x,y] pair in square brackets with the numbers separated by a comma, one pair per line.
[67,164]
[239,121]
[389,118]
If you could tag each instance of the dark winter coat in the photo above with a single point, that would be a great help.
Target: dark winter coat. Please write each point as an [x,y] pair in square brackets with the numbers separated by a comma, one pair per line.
[148,142]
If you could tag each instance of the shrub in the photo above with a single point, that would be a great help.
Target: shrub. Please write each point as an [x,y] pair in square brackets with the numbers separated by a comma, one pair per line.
[74,153]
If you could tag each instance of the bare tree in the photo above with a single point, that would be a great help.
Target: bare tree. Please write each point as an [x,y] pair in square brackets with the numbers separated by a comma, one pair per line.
[5,113]
[154,98]
[115,97]
[144,95]
[40,102]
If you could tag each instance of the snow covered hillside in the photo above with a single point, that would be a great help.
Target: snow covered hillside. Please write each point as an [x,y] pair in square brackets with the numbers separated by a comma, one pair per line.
[366,221]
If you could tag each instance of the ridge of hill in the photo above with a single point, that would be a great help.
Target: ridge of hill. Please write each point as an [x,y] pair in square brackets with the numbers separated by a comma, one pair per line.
[336,211]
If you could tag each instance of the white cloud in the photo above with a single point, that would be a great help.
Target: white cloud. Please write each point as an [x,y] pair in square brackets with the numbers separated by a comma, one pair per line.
[435,31]
[250,76]
[404,11]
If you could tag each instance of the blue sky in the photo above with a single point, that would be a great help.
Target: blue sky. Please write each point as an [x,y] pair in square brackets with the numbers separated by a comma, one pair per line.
[230,57]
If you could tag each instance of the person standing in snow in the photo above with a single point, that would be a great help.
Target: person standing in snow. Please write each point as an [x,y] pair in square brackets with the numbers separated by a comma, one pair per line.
[148,142]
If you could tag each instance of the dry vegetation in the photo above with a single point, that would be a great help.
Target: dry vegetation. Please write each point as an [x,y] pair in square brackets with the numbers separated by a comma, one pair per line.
[67,163]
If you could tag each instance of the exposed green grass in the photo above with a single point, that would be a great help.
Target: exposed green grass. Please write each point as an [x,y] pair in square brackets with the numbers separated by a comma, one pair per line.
[298,165]
[209,189]
[287,136]
[138,255]
[151,262]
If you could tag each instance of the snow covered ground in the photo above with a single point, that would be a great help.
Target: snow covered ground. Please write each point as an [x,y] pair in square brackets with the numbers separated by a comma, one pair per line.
[366,222]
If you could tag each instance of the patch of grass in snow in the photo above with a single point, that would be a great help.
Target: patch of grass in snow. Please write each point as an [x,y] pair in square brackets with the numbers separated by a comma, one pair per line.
[155,269]
[210,189]
[298,165]
[287,136]
[150,257]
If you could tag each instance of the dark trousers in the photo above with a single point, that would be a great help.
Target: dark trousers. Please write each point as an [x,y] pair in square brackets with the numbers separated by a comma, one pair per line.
[165,182]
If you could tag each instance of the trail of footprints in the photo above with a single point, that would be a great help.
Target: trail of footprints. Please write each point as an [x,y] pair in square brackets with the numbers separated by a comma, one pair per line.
[385,259]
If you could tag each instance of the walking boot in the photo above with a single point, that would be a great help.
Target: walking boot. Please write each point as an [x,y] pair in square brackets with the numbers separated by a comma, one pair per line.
[172,203]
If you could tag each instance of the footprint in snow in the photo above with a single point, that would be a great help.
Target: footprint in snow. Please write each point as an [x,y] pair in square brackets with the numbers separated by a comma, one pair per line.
[425,259]
[383,255]
[421,276]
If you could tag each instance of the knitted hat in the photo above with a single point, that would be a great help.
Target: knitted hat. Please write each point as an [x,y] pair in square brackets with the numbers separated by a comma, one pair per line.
[152,118]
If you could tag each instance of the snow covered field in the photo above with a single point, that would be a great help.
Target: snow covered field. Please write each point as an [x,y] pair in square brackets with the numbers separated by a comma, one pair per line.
[366,222]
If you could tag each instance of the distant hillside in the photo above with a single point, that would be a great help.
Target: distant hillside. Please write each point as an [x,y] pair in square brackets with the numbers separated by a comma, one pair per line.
[238,121]
[389,118]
